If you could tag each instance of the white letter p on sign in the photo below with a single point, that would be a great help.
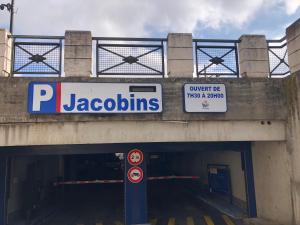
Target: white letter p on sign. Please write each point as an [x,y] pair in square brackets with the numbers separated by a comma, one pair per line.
[41,93]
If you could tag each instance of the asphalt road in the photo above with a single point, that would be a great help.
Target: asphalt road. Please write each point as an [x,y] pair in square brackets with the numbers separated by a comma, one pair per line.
[169,203]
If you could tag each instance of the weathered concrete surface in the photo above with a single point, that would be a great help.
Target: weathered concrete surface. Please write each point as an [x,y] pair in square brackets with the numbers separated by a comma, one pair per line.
[100,132]
[256,111]
[258,221]
[253,56]
[271,168]
[293,45]
[78,53]
[5,53]
[180,55]
[293,140]
[247,99]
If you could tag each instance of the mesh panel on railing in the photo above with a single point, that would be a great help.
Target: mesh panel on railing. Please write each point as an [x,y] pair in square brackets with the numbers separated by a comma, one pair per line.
[130,59]
[37,58]
[278,59]
[217,59]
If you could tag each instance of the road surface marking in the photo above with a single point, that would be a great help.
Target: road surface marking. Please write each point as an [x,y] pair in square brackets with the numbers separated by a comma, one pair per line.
[208,220]
[227,220]
[190,221]
[153,221]
[171,221]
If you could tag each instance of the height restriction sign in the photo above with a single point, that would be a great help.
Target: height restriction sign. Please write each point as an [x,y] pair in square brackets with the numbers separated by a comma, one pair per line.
[135,157]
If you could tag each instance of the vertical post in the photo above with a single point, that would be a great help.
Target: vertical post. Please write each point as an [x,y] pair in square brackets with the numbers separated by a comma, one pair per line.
[253,56]
[5,53]
[11,25]
[180,55]
[78,54]
[293,46]
[162,59]
[3,189]
[135,188]
[249,180]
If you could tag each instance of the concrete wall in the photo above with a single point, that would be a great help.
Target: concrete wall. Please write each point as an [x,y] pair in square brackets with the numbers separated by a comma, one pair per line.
[293,140]
[249,101]
[272,177]
[233,159]
[198,166]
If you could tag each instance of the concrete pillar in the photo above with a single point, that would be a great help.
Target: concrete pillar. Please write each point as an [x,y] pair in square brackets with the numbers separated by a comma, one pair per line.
[5,53]
[292,89]
[253,56]
[180,55]
[293,46]
[78,54]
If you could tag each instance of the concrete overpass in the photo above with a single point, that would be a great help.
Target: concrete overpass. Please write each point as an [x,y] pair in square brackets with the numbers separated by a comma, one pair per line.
[262,112]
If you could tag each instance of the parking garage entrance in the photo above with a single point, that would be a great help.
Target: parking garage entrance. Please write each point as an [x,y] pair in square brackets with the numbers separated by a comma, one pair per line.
[138,183]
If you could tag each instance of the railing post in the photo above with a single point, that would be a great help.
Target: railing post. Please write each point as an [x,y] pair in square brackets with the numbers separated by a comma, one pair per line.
[293,46]
[180,55]
[78,54]
[253,56]
[5,53]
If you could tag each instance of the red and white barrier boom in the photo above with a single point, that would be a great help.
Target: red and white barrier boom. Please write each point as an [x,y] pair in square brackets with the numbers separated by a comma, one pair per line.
[121,181]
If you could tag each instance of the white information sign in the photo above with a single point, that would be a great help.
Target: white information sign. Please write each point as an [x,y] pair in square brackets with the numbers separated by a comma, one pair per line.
[205,98]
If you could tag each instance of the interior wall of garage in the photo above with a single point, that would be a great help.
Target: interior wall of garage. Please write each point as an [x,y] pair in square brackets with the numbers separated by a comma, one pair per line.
[196,164]
[18,176]
[271,167]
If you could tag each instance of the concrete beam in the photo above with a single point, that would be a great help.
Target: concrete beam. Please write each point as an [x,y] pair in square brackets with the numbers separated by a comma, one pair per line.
[180,55]
[78,54]
[5,53]
[293,46]
[104,132]
[253,56]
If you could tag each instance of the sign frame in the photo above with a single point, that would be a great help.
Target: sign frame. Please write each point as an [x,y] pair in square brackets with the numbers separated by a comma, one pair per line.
[140,179]
[135,163]
[30,98]
[184,101]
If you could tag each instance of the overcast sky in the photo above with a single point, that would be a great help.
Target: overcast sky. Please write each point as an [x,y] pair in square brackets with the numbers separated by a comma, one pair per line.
[155,18]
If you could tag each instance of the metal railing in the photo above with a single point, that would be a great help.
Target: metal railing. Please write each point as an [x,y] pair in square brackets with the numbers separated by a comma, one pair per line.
[278,58]
[39,55]
[216,58]
[130,56]
[138,57]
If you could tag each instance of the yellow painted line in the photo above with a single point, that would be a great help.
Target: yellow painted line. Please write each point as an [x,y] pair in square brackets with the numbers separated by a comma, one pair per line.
[208,220]
[118,223]
[153,221]
[227,220]
[171,221]
[190,221]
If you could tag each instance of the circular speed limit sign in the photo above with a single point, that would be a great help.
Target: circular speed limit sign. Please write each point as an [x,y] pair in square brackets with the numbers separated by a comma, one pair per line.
[135,157]
[135,174]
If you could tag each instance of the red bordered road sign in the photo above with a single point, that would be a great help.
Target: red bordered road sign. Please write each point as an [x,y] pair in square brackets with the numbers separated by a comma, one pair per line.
[135,174]
[135,157]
